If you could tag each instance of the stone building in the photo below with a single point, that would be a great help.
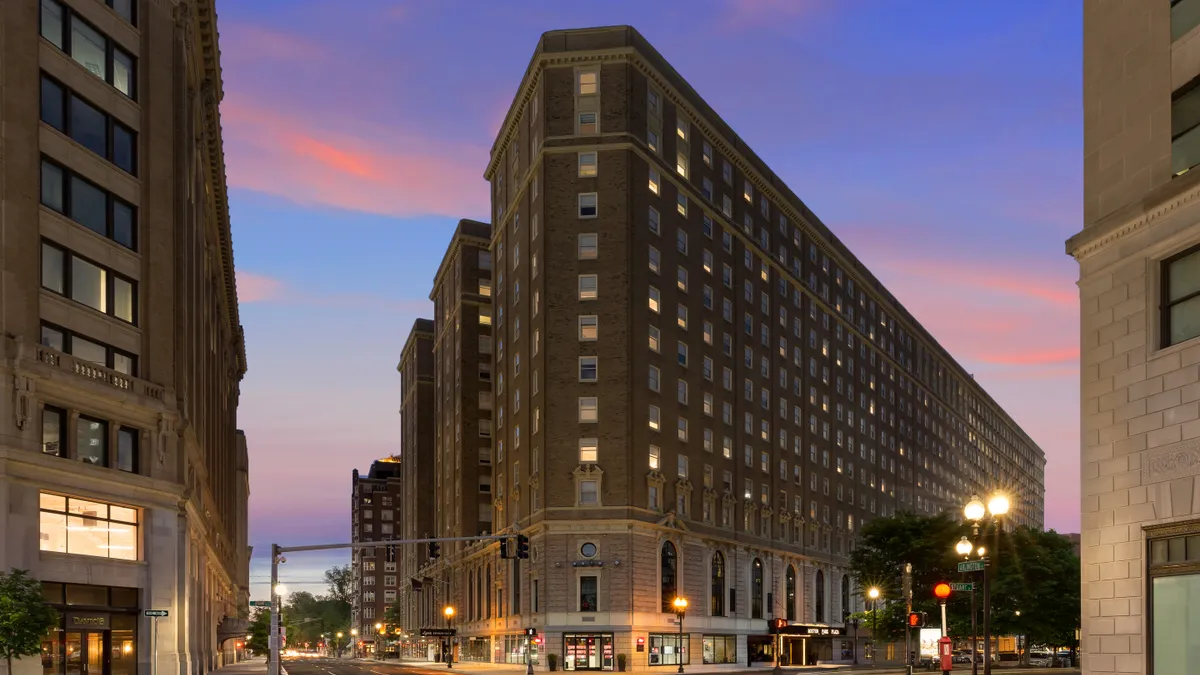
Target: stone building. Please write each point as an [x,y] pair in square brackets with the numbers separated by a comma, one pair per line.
[123,476]
[376,501]
[1139,273]
[697,390]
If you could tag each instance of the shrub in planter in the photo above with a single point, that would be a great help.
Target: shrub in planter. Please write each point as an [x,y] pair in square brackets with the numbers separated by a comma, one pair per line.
[621,658]
[552,659]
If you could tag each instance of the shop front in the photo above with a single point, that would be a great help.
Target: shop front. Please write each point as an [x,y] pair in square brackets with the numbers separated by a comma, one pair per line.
[809,644]
[97,631]
[588,651]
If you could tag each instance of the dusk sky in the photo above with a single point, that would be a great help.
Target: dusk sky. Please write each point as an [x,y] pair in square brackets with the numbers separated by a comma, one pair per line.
[941,140]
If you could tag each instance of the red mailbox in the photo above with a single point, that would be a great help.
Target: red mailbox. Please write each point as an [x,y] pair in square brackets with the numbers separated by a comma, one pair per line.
[946,652]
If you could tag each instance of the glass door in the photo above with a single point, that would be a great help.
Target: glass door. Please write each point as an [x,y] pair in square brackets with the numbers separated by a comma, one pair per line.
[84,653]
[73,655]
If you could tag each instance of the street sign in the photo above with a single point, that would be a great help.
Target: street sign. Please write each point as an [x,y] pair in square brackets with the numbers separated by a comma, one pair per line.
[155,612]
[439,632]
[962,587]
[972,566]
[260,603]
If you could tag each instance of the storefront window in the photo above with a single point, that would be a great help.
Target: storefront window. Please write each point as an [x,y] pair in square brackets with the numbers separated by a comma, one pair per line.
[667,649]
[720,649]
[124,645]
[588,651]
[97,628]
[1175,599]
[514,649]
[81,527]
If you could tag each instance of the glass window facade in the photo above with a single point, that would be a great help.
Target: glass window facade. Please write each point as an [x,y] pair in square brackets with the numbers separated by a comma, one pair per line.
[720,649]
[82,527]
[668,649]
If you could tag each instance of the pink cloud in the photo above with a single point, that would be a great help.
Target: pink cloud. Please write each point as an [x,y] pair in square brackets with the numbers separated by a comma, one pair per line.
[360,169]
[1033,358]
[253,287]
[743,14]
[245,43]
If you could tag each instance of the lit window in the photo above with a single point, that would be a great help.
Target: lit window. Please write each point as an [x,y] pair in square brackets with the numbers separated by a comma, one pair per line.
[588,409]
[652,140]
[588,454]
[587,287]
[681,316]
[654,337]
[81,527]
[587,164]
[588,328]
[748,192]
[587,124]
[681,128]
[587,246]
[587,83]
[654,181]
[681,164]
[681,204]
[707,153]
[587,205]
[587,369]
[654,457]
[653,299]
[653,418]
[681,278]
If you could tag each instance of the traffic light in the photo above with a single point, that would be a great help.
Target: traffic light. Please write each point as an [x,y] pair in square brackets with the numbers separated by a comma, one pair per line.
[522,547]
[504,549]
[914,620]
[434,551]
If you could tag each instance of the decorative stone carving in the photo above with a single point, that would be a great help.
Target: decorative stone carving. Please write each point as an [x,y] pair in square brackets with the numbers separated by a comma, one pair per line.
[1177,460]
[165,427]
[23,401]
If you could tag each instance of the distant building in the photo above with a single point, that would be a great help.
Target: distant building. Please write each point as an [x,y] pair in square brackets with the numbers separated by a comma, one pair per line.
[1139,273]
[376,500]
[1076,540]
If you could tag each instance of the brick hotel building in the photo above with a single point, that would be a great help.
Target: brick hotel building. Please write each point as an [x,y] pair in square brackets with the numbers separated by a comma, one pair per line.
[689,387]
[123,476]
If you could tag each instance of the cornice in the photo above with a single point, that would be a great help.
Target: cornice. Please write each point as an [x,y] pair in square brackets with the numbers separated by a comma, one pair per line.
[1100,236]
[821,236]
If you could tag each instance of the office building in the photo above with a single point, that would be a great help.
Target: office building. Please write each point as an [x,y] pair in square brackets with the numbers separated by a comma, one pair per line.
[1139,256]
[123,477]
[376,500]
[698,390]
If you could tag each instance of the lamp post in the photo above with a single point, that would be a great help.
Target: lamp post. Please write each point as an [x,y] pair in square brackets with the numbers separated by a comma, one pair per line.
[964,548]
[338,645]
[354,643]
[380,641]
[975,511]
[873,595]
[680,605]
[449,613]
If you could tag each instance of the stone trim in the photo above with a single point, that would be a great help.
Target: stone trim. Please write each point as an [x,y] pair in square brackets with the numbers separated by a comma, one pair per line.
[1177,460]
[1090,247]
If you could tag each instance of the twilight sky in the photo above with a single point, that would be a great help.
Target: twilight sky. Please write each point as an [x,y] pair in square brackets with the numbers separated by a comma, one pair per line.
[940,140]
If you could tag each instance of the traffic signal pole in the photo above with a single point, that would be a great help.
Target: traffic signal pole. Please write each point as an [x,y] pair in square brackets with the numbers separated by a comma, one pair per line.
[277,552]
[907,589]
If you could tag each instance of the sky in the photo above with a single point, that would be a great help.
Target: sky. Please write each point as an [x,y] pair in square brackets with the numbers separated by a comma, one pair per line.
[940,140]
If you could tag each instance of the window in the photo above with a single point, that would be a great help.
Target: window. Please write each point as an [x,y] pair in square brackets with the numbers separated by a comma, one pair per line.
[707,153]
[654,181]
[653,379]
[588,409]
[756,589]
[717,584]
[587,286]
[654,338]
[819,593]
[587,83]
[1185,15]
[587,369]
[88,47]
[681,163]
[668,563]
[681,316]
[681,467]
[87,283]
[652,140]
[720,649]
[1181,297]
[653,102]
[653,299]
[589,493]
[587,246]
[587,205]
[587,164]
[91,441]
[87,349]
[87,204]
[588,328]
[790,586]
[587,124]
[654,457]
[588,452]
[668,649]
[82,527]
[1185,125]
[654,260]
[87,125]
[1174,552]
[588,591]
[654,418]
[54,431]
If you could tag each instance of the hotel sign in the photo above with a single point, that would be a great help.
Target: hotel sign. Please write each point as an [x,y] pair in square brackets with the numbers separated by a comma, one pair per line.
[812,630]
[89,621]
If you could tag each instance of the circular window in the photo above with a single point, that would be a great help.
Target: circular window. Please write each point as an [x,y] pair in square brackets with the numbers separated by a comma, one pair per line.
[588,550]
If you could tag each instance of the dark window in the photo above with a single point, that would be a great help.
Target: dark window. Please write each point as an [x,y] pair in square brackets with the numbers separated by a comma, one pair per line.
[88,283]
[1185,14]
[1181,297]
[669,565]
[54,431]
[82,347]
[756,589]
[717,608]
[588,594]
[819,594]
[845,597]
[127,450]
[1185,136]
[91,441]
[791,593]
[127,9]
[90,48]
[88,125]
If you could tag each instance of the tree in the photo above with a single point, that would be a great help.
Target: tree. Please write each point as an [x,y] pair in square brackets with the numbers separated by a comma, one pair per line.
[24,616]
[260,632]
[341,583]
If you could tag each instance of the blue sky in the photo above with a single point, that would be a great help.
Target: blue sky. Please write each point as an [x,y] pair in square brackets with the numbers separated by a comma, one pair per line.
[940,140]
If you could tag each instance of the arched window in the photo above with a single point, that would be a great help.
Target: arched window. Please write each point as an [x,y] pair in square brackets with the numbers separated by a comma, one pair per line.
[470,595]
[820,596]
[791,593]
[845,597]
[718,585]
[670,588]
[487,593]
[756,589]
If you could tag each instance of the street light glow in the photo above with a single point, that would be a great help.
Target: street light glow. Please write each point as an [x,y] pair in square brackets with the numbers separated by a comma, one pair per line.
[378,626]
[449,611]
[354,631]
[873,593]
[974,510]
[998,504]
[963,547]
[680,604]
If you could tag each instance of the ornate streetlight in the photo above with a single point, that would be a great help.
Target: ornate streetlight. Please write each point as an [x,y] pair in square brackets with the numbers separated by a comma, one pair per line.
[680,605]
[449,612]
[354,643]
[975,511]
[873,595]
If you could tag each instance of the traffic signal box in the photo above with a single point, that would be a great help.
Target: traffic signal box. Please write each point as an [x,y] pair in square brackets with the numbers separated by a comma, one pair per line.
[916,620]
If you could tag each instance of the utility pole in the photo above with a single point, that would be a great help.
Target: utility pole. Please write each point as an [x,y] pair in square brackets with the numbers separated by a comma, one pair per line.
[907,588]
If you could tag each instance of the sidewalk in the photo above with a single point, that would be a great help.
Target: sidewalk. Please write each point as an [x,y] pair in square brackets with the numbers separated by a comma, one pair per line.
[760,668]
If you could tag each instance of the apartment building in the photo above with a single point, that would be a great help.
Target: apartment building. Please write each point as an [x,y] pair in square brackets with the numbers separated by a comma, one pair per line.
[1138,254]
[416,463]
[376,500]
[123,476]
[698,390]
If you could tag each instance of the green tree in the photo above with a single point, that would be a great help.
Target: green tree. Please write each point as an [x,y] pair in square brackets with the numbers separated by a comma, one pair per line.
[341,583]
[260,631]
[24,616]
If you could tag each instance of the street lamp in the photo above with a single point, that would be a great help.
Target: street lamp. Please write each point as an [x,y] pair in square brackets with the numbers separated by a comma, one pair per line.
[353,643]
[680,605]
[873,595]
[997,506]
[449,612]
[338,645]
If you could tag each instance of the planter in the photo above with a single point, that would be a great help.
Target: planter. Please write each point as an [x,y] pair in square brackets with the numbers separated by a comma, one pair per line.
[621,658]
[552,660]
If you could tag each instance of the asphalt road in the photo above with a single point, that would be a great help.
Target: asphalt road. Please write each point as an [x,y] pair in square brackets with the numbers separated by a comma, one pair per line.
[309,666]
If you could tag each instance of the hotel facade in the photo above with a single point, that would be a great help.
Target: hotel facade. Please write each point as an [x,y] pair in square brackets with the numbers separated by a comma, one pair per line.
[696,390]
[123,476]
[1139,273]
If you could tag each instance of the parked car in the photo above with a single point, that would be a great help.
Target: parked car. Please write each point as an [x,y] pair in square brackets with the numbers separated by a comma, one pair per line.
[1041,659]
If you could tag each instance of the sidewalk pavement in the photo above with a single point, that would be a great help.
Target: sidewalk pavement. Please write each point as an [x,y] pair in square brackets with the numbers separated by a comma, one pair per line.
[759,668]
